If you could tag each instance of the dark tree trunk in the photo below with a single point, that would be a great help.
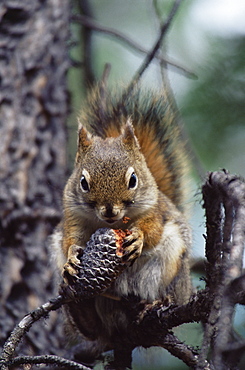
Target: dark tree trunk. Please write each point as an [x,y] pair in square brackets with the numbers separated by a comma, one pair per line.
[33,111]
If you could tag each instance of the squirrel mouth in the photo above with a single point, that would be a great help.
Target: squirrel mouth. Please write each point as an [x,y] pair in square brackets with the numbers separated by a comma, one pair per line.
[110,221]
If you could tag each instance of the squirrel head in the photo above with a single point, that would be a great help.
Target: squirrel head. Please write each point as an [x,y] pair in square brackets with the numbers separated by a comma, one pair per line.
[111,179]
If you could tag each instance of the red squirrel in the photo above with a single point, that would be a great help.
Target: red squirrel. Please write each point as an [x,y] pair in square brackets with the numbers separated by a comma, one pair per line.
[129,173]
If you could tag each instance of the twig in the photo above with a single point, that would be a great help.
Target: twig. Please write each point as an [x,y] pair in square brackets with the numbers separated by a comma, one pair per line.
[168,93]
[182,351]
[89,77]
[154,322]
[156,333]
[151,55]
[48,360]
[95,26]
[157,317]
[24,325]
[178,349]
[166,87]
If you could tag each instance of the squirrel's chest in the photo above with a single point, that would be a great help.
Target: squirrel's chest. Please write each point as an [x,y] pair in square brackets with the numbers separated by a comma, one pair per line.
[152,273]
[144,279]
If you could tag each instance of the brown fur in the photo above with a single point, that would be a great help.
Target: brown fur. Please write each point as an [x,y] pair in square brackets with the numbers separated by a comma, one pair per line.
[142,144]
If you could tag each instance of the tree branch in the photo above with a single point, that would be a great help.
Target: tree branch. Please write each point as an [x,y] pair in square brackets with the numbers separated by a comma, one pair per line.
[224,201]
[168,93]
[180,350]
[24,325]
[95,26]
[89,77]
[151,55]
[48,360]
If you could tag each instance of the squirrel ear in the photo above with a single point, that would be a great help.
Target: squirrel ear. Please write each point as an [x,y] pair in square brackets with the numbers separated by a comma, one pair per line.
[128,135]
[84,141]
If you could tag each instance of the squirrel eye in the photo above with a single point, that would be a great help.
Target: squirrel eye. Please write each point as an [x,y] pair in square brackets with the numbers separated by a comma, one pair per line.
[84,184]
[133,181]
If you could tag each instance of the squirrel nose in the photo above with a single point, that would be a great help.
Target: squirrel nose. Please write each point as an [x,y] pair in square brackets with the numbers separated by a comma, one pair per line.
[109,212]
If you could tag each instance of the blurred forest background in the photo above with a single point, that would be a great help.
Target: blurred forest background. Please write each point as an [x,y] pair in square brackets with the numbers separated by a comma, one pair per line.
[207,38]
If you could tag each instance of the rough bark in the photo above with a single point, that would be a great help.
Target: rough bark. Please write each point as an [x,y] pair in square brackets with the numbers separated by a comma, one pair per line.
[33,110]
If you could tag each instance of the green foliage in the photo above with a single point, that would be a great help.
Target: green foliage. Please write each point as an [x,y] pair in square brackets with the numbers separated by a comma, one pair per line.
[214,109]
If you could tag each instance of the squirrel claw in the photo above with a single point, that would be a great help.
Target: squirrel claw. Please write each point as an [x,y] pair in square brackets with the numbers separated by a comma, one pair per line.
[69,269]
[73,262]
[133,245]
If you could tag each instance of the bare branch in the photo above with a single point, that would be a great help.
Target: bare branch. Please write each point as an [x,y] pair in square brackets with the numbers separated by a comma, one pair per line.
[95,26]
[24,325]
[151,55]
[89,77]
[168,93]
[48,360]
[224,201]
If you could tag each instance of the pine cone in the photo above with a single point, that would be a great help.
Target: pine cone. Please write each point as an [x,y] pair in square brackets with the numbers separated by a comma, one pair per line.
[101,263]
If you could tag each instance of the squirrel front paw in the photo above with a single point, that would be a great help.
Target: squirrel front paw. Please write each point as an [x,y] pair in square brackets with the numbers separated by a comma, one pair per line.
[73,263]
[133,245]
